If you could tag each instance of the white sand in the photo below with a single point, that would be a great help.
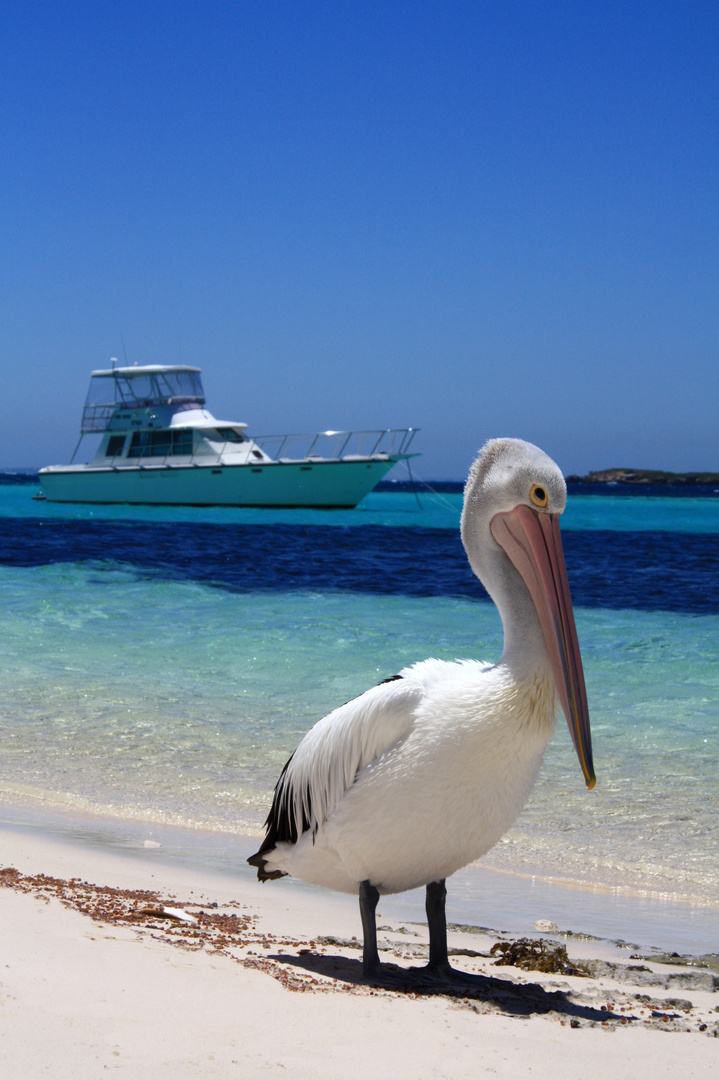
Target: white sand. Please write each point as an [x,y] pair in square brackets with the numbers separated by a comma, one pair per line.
[80,997]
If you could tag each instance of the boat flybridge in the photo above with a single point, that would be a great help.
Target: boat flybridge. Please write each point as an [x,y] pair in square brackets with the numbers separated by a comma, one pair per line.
[159,444]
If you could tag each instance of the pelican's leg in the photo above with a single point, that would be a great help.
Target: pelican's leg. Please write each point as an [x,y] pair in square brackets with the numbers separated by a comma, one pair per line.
[369,898]
[438,970]
[437,924]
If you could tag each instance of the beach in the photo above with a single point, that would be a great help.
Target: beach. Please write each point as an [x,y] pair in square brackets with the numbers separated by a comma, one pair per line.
[267,982]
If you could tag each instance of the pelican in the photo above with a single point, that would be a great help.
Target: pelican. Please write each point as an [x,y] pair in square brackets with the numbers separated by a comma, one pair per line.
[423,773]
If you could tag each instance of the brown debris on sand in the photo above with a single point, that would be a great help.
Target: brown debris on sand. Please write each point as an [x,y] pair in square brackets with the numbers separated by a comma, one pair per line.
[330,965]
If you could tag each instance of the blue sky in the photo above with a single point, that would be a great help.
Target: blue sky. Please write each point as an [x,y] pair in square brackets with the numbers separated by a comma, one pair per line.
[474,218]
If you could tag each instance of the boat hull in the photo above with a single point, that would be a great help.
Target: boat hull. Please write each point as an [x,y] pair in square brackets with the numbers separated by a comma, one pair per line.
[327,484]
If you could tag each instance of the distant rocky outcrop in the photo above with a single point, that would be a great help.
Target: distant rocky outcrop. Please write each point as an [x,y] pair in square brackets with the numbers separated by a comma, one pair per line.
[646,476]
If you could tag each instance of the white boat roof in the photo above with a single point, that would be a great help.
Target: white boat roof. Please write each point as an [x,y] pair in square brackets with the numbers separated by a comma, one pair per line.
[180,421]
[148,369]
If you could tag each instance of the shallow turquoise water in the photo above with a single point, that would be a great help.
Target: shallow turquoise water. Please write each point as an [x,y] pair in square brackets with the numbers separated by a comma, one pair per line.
[174,702]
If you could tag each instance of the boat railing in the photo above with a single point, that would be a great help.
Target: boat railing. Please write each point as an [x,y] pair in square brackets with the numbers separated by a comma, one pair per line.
[96,417]
[336,445]
[316,446]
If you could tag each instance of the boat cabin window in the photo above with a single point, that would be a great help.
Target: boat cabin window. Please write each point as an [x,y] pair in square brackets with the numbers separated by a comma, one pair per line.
[114,445]
[160,443]
[230,434]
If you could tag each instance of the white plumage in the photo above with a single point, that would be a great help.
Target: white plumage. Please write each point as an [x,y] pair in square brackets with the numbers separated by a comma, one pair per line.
[423,773]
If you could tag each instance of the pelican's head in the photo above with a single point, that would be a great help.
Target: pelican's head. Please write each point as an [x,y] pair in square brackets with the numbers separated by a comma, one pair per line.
[510,530]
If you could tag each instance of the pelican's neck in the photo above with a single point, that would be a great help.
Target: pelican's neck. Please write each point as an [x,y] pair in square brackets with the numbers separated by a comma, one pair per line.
[525,651]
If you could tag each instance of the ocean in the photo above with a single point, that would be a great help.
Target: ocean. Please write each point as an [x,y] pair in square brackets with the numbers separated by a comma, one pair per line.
[159,665]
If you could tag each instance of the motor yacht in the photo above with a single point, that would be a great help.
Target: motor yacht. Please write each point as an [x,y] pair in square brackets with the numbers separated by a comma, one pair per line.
[160,444]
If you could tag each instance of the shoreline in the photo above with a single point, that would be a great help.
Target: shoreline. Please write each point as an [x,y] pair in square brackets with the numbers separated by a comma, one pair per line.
[502,898]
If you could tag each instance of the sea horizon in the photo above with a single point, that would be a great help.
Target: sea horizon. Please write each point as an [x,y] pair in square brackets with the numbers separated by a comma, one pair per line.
[575,484]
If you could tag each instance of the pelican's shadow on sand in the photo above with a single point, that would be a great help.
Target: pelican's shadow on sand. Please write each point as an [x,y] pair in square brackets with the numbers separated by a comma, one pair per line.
[515,999]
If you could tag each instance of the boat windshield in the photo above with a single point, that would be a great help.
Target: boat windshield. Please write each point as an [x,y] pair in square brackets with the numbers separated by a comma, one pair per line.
[133,388]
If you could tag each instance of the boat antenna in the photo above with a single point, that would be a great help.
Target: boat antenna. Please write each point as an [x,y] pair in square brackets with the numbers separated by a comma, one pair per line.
[124,350]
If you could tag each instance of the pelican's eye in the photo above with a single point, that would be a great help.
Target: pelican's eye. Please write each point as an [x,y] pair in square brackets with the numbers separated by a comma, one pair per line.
[538,495]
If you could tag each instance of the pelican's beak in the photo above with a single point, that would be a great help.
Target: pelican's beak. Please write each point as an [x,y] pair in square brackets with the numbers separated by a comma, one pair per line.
[534,545]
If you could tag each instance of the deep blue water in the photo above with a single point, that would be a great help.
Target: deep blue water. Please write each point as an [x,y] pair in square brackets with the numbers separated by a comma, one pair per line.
[654,571]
